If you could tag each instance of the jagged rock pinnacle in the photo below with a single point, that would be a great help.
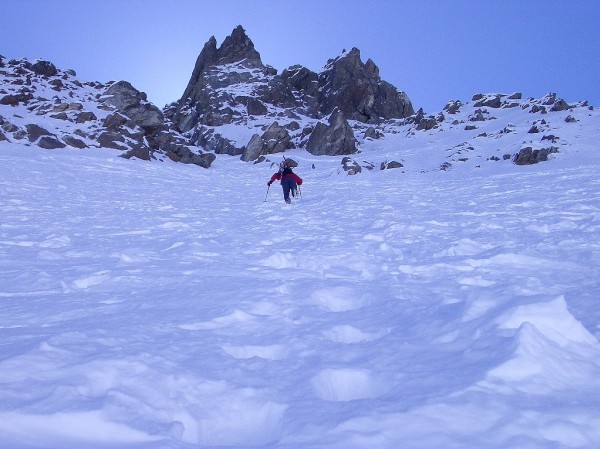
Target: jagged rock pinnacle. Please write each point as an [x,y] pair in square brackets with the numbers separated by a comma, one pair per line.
[236,47]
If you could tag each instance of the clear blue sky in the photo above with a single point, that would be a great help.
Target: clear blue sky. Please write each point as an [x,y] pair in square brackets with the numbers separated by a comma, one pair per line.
[435,51]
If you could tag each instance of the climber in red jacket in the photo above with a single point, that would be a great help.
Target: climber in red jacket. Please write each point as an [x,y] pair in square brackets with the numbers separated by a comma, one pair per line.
[289,180]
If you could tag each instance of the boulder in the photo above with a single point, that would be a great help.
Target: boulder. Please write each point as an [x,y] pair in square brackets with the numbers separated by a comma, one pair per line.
[372,133]
[9,127]
[133,104]
[74,142]
[61,107]
[529,156]
[34,132]
[20,134]
[453,107]
[142,153]
[427,123]
[350,166]
[536,108]
[391,164]
[60,116]
[491,101]
[570,119]
[275,139]
[111,139]
[114,121]
[254,148]
[256,107]
[57,85]
[560,105]
[186,156]
[478,116]
[548,99]
[50,143]
[337,138]
[14,100]
[87,116]
[44,68]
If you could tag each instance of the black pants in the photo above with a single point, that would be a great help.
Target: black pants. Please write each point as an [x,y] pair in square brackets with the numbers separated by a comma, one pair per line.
[289,185]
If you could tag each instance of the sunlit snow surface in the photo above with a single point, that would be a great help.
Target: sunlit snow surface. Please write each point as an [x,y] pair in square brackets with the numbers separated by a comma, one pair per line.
[156,305]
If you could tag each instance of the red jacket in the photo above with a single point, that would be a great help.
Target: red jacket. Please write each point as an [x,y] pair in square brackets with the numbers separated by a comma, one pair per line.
[287,174]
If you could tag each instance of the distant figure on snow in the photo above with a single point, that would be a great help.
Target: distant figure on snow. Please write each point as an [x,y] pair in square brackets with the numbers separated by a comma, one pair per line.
[289,180]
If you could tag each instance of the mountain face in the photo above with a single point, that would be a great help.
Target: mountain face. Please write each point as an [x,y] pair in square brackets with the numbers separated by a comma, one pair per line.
[48,107]
[231,85]
[236,105]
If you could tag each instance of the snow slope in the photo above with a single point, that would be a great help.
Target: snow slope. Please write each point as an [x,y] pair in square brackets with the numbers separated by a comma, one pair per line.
[156,305]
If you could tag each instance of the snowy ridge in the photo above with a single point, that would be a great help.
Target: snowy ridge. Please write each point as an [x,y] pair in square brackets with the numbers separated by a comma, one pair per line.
[58,103]
[489,129]
[160,305]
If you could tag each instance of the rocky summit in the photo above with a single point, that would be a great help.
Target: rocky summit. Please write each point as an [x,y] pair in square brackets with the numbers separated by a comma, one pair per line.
[236,105]
[231,85]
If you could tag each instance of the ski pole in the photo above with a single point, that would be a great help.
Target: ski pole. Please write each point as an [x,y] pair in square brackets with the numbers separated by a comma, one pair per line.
[300,192]
[268,187]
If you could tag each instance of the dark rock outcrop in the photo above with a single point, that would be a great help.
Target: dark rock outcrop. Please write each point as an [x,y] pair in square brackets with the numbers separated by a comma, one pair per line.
[427,123]
[213,97]
[490,101]
[337,138]
[74,142]
[210,140]
[356,89]
[112,139]
[372,133]
[390,164]
[133,104]
[236,47]
[44,68]
[256,107]
[275,139]
[34,132]
[529,156]
[453,107]
[15,99]
[350,166]
[50,143]
[205,95]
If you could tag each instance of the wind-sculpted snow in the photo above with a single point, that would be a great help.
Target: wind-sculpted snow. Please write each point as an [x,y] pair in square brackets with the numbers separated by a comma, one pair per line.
[161,306]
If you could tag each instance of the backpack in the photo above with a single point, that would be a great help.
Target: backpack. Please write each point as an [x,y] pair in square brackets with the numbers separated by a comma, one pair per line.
[287,163]
[281,166]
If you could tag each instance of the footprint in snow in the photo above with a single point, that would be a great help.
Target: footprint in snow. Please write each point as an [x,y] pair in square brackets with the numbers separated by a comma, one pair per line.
[269,352]
[348,384]
[349,334]
[338,299]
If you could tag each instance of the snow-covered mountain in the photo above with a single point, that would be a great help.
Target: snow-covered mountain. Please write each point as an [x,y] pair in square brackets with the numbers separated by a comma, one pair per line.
[445,296]
[236,105]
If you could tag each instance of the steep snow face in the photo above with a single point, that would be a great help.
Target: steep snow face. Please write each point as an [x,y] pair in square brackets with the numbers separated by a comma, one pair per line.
[158,305]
